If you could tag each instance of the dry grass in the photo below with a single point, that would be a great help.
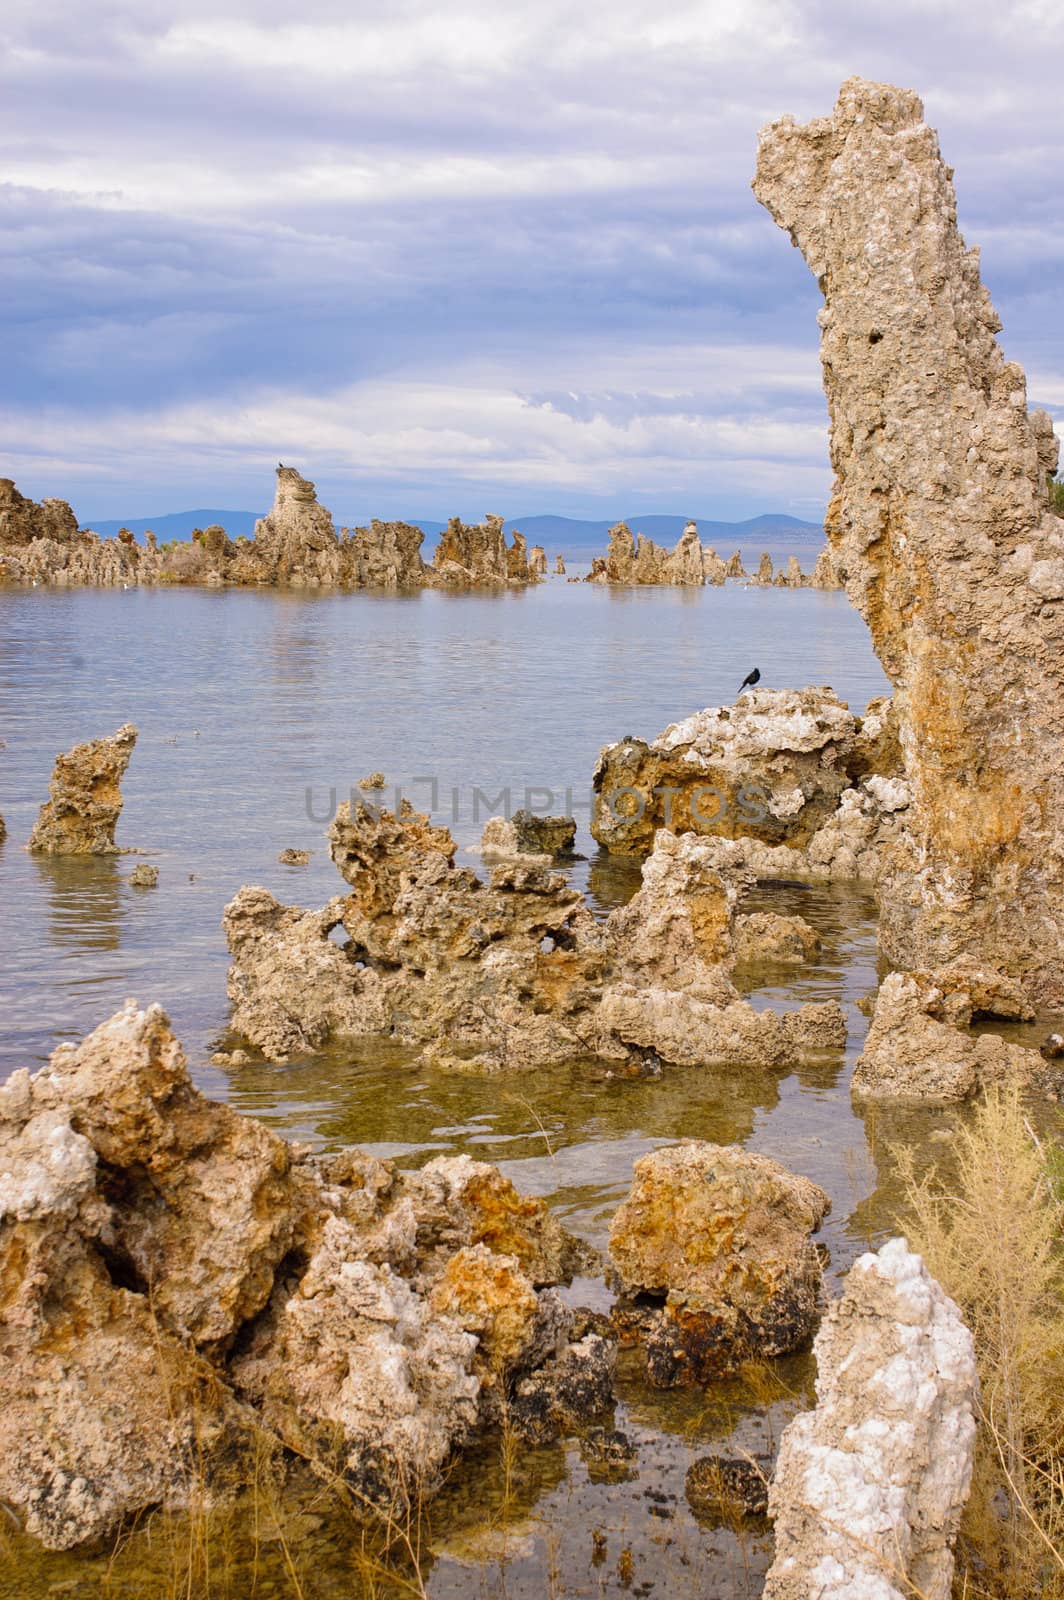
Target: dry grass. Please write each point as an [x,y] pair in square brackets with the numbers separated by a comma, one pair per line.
[993,1237]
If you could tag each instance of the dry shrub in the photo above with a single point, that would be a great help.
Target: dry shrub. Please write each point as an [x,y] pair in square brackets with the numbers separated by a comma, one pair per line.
[993,1238]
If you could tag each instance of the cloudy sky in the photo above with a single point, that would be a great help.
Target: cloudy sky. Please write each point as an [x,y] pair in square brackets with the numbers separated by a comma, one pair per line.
[472,257]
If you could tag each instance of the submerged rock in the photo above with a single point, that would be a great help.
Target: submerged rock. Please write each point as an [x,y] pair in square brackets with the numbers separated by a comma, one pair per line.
[726,1489]
[293,857]
[714,1242]
[869,1486]
[144,876]
[80,817]
[941,528]
[766,936]
[567,1392]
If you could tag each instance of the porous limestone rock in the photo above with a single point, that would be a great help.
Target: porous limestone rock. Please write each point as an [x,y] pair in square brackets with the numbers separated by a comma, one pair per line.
[477,556]
[565,1393]
[80,817]
[296,542]
[824,575]
[919,1046]
[733,567]
[42,544]
[512,972]
[291,988]
[23,520]
[179,1288]
[869,1486]
[637,559]
[386,555]
[719,1238]
[293,857]
[940,527]
[537,561]
[131,1212]
[526,834]
[676,931]
[764,569]
[685,1030]
[559,566]
[773,767]
[201,1197]
[144,876]
[354,1370]
[714,570]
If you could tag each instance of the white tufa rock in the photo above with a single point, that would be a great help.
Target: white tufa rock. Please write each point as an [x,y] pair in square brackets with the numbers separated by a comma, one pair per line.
[870,1485]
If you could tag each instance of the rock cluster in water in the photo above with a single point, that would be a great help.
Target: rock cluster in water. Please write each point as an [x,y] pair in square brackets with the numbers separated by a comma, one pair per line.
[869,1487]
[513,971]
[941,529]
[85,798]
[635,559]
[182,1288]
[295,545]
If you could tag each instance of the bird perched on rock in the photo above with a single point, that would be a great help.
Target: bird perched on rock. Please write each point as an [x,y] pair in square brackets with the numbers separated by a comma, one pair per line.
[749,681]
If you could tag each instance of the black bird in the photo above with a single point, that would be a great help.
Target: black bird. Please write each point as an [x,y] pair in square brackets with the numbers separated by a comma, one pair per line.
[749,681]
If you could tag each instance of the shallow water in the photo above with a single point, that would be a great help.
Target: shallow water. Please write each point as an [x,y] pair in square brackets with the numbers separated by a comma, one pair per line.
[246,703]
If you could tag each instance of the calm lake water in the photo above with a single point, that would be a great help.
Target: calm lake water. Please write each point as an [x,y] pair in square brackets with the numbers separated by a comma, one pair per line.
[256,711]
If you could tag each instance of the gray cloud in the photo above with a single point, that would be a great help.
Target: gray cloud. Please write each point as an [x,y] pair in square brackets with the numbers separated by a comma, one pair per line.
[458,256]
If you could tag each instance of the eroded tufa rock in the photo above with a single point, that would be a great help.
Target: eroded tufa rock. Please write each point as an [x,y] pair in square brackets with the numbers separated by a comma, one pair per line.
[869,1487]
[637,559]
[773,767]
[513,972]
[296,543]
[919,1046]
[477,556]
[182,1289]
[386,555]
[940,527]
[80,817]
[719,1237]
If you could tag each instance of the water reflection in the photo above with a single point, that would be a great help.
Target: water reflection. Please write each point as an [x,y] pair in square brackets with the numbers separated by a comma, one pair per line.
[84,902]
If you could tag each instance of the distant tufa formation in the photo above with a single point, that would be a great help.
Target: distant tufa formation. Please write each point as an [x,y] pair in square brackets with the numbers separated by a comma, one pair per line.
[295,545]
[941,529]
[635,559]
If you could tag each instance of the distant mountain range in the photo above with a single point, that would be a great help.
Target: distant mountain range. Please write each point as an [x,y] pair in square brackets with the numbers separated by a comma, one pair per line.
[557,533]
